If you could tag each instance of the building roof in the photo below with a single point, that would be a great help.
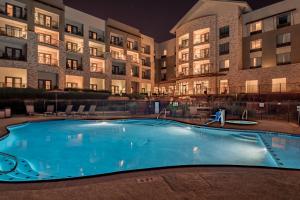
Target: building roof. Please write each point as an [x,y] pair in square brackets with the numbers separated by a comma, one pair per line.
[196,8]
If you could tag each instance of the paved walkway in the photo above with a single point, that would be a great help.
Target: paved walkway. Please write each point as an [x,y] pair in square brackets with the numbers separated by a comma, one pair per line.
[171,184]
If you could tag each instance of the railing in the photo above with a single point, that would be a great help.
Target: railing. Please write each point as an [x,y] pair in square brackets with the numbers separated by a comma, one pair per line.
[77,68]
[75,50]
[119,72]
[5,56]
[47,61]
[118,56]
[97,69]
[98,38]
[13,32]
[146,76]
[203,69]
[50,41]
[120,43]
[12,85]
[79,32]
[98,54]
[183,60]
[53,24]
[14,15]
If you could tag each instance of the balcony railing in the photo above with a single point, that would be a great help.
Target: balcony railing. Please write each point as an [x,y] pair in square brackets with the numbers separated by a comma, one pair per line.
[79,32]
[12,85]
[52,25]
[118,72]
[5,56]
[203,69]
[98,38]
[118,56]
[47,61]
[116,43]
[13,32]
[146,76]
[22,16]
[74,50]
[48,41]
[97,69]
[77,68]
[182,46]
[183,60]
[98,54]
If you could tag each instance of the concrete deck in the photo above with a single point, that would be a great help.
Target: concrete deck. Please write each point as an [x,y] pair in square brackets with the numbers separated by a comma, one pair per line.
[174,184]
[195,183]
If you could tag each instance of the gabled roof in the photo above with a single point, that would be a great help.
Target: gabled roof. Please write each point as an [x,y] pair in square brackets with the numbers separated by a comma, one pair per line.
[199,4]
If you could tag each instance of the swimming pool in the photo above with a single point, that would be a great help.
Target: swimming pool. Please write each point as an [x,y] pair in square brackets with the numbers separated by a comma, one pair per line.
[66,149]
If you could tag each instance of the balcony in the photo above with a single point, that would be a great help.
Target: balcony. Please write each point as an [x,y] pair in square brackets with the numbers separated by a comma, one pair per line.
[97,54]
[45,39]
[183,61]
[184,45]
[18,15]
[74,32]
[52,24]
[13,32]
[97,38]
[76,68]
[203,69]
[117,55]
[116,43]
[116,70]
[146,76]
[47,61]
[74,49]
[97,69]
[132,46]
[5,56]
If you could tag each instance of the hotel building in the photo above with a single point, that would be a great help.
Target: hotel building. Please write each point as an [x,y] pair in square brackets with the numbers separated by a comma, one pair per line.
[47,45]
[220,47]
[225,47]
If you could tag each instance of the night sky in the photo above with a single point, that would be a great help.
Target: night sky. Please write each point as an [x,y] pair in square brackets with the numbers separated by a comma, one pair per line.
[153,18]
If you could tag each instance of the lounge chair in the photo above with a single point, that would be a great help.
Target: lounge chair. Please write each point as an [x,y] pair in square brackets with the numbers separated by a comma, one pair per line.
[80,110]
[30,110]
[92,110]
[50,110]
[68,111]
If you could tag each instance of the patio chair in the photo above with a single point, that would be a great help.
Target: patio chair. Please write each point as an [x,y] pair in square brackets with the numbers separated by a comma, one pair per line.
[92,110]
[50,110]
[68,111]
[30,110]
[80,110]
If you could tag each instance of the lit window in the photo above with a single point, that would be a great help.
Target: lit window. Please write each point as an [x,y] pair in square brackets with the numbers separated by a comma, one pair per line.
[279,85]
[165,52]
[224,64]
[252,86]
[283,58]
[284,39]
[256,44]
[255,62]
[224,89]
[256,27]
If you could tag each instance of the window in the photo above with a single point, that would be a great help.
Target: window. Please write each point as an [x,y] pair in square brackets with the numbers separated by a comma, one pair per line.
[202,68]
[72,47]
[252,86]
[201,53]
[135,71]
[284,40]
[224,65]
[13,53]
[201,38]
[185,56]
[146,74]
[184,43]
[224,89]
[93,35]
[256,45]
[255,27]
[164,64]
[14,11]
[118,70]
[283,58]
[165,52]
[13,82]
[116,40]
[43,38]
[255,62]
[279,85]
[201,87]
[13,31]
[45,84]
[224,49]
[183,88]
[283,20]
[94,87]
[73,29]
[72,64]
[72,85]
[97,67]
[45,58]
[43,20]
[224,32]
[94,51]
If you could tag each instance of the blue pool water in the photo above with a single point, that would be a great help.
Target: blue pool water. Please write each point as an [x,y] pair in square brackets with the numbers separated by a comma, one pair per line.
[69,149]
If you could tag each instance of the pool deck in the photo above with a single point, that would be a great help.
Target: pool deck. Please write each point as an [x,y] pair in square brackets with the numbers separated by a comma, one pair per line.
[175,184]
[191,183]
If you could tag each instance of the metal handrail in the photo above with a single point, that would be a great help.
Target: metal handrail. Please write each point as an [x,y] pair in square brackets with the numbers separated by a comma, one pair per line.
[12,157]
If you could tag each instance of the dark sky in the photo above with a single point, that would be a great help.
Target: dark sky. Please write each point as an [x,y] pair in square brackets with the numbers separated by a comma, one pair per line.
[153,17]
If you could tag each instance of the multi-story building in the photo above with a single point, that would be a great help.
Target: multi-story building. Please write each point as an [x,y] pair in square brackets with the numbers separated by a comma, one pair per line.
[225,47]
[45,44]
